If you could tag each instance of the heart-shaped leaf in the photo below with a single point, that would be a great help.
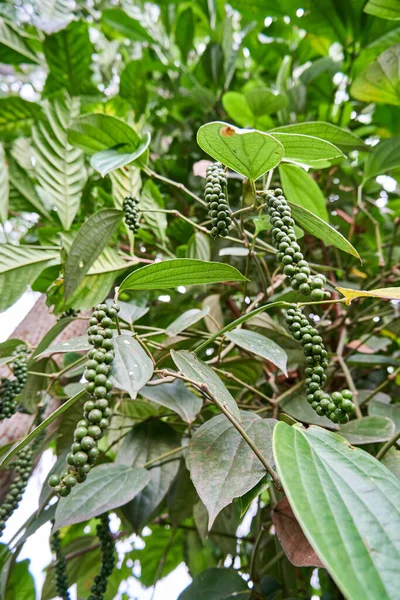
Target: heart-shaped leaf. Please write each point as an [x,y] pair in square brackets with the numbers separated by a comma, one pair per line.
[222,465]
[108,486]
[346,503]
[248,152]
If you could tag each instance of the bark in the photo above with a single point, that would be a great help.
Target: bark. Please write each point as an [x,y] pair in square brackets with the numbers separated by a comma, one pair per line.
[32,329]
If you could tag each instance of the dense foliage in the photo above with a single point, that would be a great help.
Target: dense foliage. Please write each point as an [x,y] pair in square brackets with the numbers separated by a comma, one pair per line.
[212,188]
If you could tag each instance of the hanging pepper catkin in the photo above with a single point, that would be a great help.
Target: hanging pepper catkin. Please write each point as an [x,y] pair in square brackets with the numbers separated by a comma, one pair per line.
[96,411]
[130,207]
[60,567]
[11,388]
[107,548]
[338,406]
[216,196]
[289,254]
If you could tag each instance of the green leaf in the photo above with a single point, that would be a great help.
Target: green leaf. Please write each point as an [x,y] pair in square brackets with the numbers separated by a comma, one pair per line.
[87,246]
[391,460]
[20,583]
[131,312]
[379,81]
[60,168]
[68,55]
[295,404]
[344,500]
[43,425]
[21,181]
[321,229]
[381,409]
[17,115]
[186,320]
[367,430]
[7,347]
[250,153]
[131,368]
[125,182]
[252,108]
[184,32]
[151,199]
[384,9]
[300,188]
[19,267]
[222,465]
[132,86]
[144,443]
[81,567]
[199,246]
[175,396]
[384,157]
[306,149]
[20,51]
[198,371]
[106,161]
[236,107]
[108,486]
[153,556]
[49,337]
[179,271]
[116,20]
[259,344]
[4,186]
[216,584]
[342,138]
[96,132]
[77,344]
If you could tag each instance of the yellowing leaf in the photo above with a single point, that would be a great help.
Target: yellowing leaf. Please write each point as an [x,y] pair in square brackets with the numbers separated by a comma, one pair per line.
[385,293]
[357,273]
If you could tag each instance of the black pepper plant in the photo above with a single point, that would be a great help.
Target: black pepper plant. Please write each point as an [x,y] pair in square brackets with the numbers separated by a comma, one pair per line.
[217,377]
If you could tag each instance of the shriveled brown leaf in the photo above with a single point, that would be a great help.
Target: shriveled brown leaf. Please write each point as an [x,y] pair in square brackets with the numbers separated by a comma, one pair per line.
[292,538]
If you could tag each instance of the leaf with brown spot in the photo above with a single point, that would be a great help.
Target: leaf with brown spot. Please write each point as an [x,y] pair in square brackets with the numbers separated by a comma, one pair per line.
[291,536]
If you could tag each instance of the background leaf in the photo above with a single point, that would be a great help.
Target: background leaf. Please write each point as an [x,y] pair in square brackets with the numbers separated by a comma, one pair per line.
[342,138]
[259,344]
[384,9]
[19,267]
[4,186]
[175,396]
[96,132]
[379,81]
[306,149]
[88,244]
[385,156]
[218,584]
[146,442]
[59,168]
[300,188]
[368,430]
[186,320]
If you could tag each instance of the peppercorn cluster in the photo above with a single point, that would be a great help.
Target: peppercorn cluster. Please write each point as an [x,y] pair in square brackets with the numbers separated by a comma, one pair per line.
[131,210]
[217,202]
[96,411]
[23,468]
[107,549]
[11,388]
[289,254]
[339,405]
[60,567]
